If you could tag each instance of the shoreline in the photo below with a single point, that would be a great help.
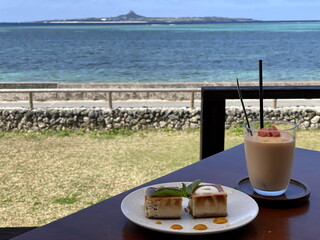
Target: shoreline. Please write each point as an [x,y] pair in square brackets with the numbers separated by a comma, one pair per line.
[204,83]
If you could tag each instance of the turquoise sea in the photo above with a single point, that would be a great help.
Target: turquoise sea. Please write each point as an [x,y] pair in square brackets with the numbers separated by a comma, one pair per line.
[153,53]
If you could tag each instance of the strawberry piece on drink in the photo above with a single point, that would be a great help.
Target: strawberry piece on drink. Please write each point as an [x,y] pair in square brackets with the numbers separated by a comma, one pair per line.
[269,132]
[274,131]
[263,132]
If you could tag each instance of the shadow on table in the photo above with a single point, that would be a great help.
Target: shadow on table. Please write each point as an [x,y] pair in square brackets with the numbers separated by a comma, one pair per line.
[136,232]
[11,232]
[132,231]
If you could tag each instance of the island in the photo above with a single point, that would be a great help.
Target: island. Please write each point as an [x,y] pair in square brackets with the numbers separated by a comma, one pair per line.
[133,18]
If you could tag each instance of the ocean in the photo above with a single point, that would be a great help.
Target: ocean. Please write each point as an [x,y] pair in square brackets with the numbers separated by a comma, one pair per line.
[159,53]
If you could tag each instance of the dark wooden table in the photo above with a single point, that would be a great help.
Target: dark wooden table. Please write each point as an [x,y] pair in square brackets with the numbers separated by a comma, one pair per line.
[106,221]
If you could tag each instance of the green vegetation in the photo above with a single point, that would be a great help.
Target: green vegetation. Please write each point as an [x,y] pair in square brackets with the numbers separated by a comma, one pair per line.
[64,200]
[47,175]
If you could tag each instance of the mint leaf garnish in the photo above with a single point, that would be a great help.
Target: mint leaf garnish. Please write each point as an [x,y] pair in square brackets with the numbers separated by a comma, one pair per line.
[161,192]
[191,187]
[184,191]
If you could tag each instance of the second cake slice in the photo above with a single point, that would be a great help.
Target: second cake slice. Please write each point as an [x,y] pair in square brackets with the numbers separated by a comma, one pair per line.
[208,201]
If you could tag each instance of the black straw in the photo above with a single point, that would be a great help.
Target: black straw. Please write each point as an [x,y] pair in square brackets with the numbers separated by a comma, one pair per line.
[261,94]
[244,109]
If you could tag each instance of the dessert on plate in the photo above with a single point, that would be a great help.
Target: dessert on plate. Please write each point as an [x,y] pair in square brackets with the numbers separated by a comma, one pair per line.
[208,201]
[165,206]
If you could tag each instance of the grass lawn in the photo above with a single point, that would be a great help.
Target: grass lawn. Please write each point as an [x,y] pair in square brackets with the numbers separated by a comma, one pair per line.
[45,176]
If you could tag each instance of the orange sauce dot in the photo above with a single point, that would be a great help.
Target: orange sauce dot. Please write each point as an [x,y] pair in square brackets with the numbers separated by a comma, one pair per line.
[176,227]
[220,220]
[200,227]
[158,222]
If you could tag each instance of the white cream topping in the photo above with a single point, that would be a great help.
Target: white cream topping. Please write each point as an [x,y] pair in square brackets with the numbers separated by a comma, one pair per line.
[206,190]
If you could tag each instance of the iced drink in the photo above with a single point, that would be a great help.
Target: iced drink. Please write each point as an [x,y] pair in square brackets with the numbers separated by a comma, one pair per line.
[269,157]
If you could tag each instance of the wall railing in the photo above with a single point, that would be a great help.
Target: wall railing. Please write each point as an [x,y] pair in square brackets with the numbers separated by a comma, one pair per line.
[109,91]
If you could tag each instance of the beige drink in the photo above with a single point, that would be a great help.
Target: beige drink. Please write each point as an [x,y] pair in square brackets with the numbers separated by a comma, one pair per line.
[269,157]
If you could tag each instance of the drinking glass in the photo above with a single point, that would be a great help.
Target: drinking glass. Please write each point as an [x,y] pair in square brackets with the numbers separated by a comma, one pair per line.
[269,155]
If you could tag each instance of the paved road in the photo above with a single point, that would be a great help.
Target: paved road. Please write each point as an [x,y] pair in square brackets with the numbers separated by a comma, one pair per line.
[149,103]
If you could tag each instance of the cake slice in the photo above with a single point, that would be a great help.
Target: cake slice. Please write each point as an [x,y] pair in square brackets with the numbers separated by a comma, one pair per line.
[208,201]
[162,206]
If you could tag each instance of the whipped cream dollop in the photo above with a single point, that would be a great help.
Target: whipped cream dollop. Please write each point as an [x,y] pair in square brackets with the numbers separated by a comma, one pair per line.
[206,190]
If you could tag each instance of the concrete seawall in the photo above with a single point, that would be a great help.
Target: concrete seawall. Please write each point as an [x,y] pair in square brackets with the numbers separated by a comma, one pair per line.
[124,96]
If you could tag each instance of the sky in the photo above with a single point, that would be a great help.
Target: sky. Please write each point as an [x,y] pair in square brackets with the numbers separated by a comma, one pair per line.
[34,10]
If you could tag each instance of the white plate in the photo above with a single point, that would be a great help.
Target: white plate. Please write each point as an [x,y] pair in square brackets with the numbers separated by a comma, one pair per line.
[242,209]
